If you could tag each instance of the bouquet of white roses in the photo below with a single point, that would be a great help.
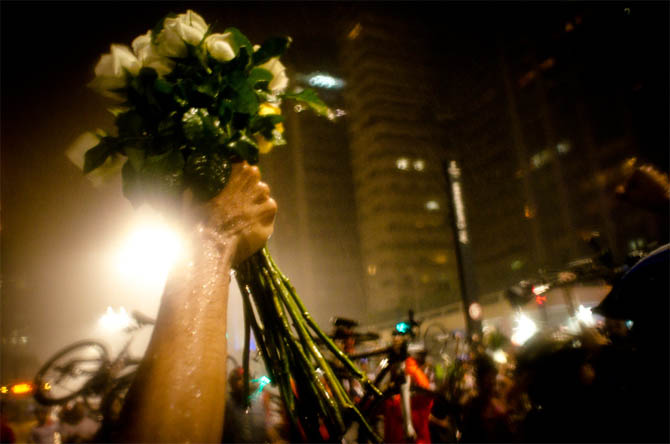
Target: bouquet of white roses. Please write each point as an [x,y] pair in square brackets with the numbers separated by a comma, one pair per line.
[193,103]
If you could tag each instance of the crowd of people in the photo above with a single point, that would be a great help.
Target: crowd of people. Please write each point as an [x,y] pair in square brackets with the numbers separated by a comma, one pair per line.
[606,383]
[72,422]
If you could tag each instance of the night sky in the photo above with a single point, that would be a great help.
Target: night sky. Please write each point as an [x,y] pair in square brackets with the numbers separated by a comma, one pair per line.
[55,224]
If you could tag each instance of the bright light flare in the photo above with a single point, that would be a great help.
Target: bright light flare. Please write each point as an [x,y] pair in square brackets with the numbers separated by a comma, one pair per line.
[500,356]
[582,318]
[539,289]
[19,389]
[585,316]
[112,321]
[148,253]
[524,329]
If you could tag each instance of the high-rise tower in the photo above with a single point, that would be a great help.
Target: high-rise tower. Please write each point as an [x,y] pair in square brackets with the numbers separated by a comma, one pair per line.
[397,156]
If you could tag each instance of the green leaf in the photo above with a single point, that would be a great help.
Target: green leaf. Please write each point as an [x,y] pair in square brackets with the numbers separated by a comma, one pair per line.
[129,123]
[245,100]
[245,148]
[273,47]
[240,41]
[168,126]
[192,124]
[311,99]
[135,158]
[206,173]
[164,163]
[147,75]
[225,111]
[163,86]
[209,88]
[265,124]
[163,174]
[96,156]
[259,75]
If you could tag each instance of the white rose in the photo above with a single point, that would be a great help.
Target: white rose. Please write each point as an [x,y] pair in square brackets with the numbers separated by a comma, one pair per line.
[112,70]
[279,80]
[220,46]
[188,27]
[148,55]
[105,172]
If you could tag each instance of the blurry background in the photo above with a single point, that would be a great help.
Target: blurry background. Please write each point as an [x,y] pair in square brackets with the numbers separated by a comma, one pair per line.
[539,103]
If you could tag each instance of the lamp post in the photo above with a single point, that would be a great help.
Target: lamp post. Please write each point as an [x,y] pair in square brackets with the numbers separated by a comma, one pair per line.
[459,229]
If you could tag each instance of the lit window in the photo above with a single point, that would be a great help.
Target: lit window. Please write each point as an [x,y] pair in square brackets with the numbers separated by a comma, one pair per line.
[419,164]
[548,63]
[516,265]
[402,163]
[440,258]
[542,158]
[355,31]
[432,205]
[563,147]
[372,270]
[528,212]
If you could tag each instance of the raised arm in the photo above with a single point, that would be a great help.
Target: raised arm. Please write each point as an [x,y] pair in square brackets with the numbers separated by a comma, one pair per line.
[178,394]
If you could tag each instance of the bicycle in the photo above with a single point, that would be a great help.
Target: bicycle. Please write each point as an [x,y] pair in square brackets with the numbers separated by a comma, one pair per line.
[84,370]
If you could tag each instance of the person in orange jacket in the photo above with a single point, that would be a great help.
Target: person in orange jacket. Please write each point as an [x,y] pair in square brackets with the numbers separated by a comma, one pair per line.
[406,417]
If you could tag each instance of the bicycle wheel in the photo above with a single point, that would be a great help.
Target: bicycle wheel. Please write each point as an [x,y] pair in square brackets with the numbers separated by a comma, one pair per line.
[435,338]
[68,372]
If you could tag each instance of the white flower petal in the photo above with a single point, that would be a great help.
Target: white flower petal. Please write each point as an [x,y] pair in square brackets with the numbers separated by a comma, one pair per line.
[220,46]
[125,59]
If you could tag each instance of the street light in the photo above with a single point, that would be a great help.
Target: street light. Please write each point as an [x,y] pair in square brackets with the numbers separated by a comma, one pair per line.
[113,321]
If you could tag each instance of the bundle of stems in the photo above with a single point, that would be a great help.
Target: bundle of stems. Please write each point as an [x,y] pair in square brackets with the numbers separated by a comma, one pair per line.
[288,339]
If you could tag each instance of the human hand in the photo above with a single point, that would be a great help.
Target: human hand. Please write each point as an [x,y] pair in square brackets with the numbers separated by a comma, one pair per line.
[241,215]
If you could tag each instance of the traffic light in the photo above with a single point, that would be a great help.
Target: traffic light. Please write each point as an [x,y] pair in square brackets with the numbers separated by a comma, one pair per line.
[403,327]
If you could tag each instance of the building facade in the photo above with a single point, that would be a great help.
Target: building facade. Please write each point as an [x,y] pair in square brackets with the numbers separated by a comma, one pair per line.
[397,156]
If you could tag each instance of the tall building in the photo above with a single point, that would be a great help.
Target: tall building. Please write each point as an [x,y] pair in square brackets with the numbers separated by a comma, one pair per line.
[540,110]
[317,244]
[397,161]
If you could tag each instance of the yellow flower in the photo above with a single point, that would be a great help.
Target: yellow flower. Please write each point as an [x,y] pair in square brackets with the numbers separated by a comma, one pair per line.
[266,109]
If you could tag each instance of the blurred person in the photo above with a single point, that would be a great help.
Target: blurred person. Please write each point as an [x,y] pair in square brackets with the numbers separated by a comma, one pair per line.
[485,415]
[406,371]
[47,431]
[76,425]
[179,391]
[277,423]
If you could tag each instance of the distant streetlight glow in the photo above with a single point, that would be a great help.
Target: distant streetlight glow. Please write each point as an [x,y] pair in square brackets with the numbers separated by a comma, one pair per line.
[113,322]
[432,205]
[402,163]
[500,356]
[524,329]
[325,81]
[24,387]
[585,316]
[148,253]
